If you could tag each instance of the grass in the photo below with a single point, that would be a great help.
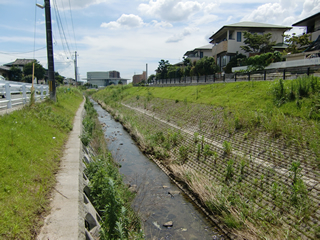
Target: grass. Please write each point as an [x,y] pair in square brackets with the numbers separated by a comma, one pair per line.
[255,201]
[32,141]
[238,96]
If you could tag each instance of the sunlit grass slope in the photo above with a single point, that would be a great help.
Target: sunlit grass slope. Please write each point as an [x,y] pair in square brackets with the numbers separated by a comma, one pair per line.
[31,144]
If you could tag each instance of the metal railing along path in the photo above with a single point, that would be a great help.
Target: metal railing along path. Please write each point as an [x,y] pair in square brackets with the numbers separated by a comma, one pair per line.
[16,93]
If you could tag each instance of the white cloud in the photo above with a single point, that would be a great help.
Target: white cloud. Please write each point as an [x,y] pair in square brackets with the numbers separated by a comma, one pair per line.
[212,7]
[78,4]
[205,19]
[180,36]
[161,24]
[129,21]
[269,12]
[171,10]
[310,7]
[283,12]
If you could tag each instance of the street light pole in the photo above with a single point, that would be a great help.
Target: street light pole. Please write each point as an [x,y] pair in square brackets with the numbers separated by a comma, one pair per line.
[51,79]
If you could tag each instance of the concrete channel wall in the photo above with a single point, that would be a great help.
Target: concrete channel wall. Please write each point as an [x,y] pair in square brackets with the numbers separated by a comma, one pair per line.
[72,215]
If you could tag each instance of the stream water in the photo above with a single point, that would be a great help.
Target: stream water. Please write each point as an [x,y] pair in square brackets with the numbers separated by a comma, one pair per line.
[158,200]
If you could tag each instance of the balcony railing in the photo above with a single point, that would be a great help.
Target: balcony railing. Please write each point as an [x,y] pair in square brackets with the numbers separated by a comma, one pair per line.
[219,48]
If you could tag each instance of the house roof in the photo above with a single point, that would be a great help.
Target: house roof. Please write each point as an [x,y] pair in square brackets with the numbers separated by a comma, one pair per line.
[205,47]
[249,25]
[307,21]
[20,62]
[4,68]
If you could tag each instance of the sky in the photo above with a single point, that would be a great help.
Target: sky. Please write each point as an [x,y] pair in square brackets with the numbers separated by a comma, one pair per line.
[125,35]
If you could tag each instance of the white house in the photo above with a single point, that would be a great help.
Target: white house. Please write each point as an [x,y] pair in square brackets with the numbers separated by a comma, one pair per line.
[228,39]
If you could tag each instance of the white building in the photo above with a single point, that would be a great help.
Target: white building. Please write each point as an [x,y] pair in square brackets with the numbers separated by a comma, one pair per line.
[103,79]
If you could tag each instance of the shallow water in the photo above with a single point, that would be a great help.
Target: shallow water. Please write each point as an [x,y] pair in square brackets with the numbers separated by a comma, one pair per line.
[155,206]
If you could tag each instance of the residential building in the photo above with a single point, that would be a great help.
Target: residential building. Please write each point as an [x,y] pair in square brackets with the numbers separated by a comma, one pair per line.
[228,39]
[312,25]
[4,71]
[103,79]
[137,78]
[19,63]
[199,52]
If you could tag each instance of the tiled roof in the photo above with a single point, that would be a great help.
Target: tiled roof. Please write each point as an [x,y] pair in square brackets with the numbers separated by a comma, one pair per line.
[20,62]
[249,25]
[256,25]
[4,68]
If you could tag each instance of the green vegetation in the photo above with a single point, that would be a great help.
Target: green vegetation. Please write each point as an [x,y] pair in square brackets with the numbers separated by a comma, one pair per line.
[256,43]
[262,186]
[203,67]
[32,141]
[108,193]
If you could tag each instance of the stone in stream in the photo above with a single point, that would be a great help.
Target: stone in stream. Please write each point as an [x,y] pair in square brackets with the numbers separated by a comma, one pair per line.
[173,193]
[168,224]
[121,143]
[133,188]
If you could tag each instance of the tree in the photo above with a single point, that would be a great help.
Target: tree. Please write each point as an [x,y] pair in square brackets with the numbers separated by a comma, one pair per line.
[150,78]
[162,69]
[187,66]
[205,66]
[256,43]
[39,71]
[296,42]
[235,61]
[58,78]
[259,62]
[15,74]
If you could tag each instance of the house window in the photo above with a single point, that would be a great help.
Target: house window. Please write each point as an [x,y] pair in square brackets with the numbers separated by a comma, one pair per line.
[201,54]
[224,61]
[231,35]
[238,36]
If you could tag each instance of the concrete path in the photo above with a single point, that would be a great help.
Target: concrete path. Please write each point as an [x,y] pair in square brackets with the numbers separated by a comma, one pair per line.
[66,220]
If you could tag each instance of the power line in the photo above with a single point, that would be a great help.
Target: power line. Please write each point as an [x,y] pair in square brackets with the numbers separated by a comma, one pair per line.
[61,30]
[74,35]
[13,53]
[66,21]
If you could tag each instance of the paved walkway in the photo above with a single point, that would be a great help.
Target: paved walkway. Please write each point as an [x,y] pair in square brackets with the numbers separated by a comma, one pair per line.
[66,220]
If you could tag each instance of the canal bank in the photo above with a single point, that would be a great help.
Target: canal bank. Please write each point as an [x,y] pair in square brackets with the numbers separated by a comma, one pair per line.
[160,199]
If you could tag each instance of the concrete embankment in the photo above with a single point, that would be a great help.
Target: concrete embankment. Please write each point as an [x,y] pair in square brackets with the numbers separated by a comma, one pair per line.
[72,215]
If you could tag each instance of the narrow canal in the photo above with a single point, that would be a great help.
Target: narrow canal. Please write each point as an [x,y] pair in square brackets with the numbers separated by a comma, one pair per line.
[158,200]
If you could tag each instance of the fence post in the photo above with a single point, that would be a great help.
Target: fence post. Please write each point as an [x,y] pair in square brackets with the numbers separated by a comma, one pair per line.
[264,75]
[214,77]
[24,93]
[308,71]
[41,92]
[8,95]
[235,77]
[284,74]
[248,76]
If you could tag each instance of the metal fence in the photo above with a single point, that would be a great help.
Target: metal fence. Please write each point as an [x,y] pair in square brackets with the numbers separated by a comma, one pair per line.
[16,93]
[269,74]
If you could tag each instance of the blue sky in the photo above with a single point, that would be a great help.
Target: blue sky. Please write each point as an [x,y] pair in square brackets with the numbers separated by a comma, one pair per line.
[124,35]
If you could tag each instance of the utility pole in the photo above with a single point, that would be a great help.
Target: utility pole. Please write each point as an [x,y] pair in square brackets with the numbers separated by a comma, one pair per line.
[75,68]
[146,72]
[52,82]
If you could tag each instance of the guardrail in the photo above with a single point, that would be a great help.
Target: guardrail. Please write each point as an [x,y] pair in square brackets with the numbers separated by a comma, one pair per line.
[267,74]
[17,93]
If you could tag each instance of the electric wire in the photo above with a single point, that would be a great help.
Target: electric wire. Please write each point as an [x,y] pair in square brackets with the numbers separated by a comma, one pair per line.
[74,35]
[18,53]
[65,19]
[61,31]
[59,28]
